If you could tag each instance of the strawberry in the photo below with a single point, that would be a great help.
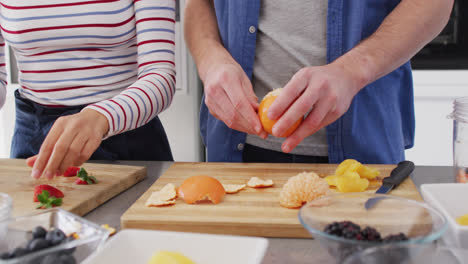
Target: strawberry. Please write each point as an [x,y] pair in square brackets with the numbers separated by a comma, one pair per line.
[71,171]
[53,192]
[84,178]
[82,182]
[47,201]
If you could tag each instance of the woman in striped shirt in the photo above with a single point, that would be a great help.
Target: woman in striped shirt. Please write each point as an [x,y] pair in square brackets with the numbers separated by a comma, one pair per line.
[94,75]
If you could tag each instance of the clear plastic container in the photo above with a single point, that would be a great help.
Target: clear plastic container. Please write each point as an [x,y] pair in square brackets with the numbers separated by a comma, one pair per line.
[6,205]
[18,232]
[460,139]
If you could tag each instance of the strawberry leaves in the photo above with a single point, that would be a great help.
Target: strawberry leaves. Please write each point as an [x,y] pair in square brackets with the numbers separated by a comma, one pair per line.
[84,178]
[47,201]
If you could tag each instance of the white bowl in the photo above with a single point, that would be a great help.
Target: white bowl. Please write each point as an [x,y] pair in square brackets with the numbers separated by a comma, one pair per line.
[137,246]
[451,200]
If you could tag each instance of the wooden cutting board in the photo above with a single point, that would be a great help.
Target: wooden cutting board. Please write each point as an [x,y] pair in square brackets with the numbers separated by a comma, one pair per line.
[15,180]
[251,212]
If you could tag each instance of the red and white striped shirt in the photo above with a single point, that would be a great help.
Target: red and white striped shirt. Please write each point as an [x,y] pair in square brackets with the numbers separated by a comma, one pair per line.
[116,56]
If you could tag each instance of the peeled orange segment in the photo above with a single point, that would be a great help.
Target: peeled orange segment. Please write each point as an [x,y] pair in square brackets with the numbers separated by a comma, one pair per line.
[267,123]
[346,184]
[201,188]
[331,180]
[351,175]
[350,165]
[368,172]
[302,188]
[256,182]
[169,257]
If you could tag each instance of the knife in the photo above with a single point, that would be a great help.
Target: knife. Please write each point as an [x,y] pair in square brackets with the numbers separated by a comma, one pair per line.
[401,172]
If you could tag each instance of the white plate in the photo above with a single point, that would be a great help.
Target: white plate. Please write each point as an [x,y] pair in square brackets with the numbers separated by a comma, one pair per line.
[451,199]
[137,247]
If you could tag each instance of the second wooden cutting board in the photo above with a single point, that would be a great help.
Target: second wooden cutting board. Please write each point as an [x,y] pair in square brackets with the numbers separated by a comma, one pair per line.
[15,180]
[251,212]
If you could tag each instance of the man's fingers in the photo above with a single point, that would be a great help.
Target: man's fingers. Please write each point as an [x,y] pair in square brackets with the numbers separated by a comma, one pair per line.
[321,116]
[233,119]
[241,105]
[46,149]
[297,110]
[291,91]
[249,92]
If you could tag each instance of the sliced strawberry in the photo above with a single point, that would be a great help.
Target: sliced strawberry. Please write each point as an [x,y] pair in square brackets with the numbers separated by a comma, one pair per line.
[53,192]
[71,171]
[82,182]
[84,178]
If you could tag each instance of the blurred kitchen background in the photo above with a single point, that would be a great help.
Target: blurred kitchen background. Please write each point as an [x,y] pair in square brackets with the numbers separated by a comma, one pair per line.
[440,75]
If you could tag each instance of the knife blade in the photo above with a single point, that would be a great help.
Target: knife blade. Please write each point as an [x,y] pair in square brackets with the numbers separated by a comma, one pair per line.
[401,172]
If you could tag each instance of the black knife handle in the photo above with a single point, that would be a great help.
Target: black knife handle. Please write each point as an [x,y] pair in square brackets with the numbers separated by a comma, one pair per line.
[400,173]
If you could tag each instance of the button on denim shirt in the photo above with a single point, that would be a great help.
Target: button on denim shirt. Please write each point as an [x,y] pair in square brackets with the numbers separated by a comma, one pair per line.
[379,124]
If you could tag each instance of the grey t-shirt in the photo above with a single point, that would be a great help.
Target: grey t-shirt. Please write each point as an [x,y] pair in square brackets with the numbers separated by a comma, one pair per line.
[291,35]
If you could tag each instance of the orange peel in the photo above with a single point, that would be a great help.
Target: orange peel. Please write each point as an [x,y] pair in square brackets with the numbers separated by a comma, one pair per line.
[233,188]
[165,196]
[201,188]
[256,182]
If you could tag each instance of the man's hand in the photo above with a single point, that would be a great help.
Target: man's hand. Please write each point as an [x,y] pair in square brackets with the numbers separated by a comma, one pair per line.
[71,141]
[325,91]
[230,98]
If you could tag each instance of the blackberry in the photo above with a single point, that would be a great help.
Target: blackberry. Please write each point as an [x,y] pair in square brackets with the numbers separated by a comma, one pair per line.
[346,229]
[395,238]
[370,234]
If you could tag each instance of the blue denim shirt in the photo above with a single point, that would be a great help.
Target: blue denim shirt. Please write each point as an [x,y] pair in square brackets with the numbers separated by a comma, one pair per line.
[379,124]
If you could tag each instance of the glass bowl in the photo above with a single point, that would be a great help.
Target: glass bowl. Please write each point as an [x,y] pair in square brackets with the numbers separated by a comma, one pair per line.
[18,233]
[389,215]
[409,254]
[6,204]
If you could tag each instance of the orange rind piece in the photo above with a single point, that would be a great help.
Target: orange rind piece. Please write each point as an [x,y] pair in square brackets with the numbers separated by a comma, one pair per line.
[302,188]
[233,188]
[256,182]
[267,123]
[166,196]
[201,188]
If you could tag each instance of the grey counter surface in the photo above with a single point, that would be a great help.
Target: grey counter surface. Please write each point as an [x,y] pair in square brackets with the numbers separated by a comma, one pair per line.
[280,250]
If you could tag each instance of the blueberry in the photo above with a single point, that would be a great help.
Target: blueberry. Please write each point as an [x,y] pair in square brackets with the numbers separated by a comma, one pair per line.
[67,259]
[51,259]
[38,244]
[39,232]
[55,237]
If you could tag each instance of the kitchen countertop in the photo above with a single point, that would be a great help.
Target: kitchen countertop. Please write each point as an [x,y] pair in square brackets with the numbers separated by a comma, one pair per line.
[280,250]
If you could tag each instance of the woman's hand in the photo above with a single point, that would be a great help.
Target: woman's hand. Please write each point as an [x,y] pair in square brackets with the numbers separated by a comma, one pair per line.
[325,91]
[71,141]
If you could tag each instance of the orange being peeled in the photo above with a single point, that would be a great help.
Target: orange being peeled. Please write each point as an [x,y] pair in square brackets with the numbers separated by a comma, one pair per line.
[263,110]
[201,188]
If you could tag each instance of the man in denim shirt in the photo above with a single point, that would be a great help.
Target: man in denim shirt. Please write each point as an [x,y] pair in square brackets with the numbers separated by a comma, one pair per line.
[342,63]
